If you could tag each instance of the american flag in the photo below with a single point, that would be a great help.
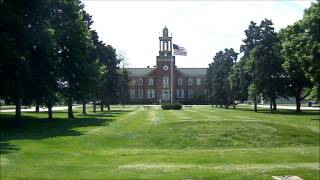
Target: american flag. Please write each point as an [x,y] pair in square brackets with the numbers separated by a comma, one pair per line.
[178,50]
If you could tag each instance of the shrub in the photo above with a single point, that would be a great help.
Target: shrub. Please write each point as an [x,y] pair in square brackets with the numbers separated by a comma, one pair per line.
[173,106]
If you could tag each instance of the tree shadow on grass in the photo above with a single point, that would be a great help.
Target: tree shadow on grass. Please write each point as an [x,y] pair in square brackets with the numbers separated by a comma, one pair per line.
[6,147]
[282,111]
[35,127]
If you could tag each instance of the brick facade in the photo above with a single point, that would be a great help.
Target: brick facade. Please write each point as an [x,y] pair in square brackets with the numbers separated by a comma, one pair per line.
[153,85]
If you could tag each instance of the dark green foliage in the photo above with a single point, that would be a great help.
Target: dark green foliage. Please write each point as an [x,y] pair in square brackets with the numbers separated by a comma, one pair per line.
[301,51]
[109,74]
[294,62]
[124,87]
[311,50]
[173,106]
[269,77]
[261,66]
[49,53]
[219,89]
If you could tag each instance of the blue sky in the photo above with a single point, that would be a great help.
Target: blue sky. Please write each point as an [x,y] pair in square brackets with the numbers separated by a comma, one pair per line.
[202,27]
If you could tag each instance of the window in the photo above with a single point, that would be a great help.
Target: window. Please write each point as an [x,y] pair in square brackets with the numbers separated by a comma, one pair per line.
[180,82]
[150,81]
[190,93]
[151,93]
[165,82]
[198,82]
[133,82]
[140,81]
[132,93]
[180,93]
[140,93]
[190,81]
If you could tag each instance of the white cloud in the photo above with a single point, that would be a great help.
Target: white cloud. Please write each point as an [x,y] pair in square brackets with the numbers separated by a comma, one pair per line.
[203,27]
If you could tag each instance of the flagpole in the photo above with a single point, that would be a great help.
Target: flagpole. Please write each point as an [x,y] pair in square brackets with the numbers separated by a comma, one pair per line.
[171,71]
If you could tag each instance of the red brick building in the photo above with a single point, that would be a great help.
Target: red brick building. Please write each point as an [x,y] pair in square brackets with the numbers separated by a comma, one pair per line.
[153,85]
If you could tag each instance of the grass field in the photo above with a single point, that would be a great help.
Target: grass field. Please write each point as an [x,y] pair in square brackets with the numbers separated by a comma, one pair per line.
[150,143]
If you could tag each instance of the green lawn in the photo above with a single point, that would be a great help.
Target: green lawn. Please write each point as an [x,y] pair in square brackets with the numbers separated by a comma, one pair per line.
[138,143]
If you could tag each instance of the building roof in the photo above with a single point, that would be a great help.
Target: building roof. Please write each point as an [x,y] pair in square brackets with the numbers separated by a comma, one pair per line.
[192,72]
[139,71]
[195,72]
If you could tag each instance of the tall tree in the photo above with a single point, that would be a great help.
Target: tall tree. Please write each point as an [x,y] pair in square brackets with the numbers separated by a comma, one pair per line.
[311,24]
[268,72]
[311,50]
[73,45]
[43,88]
[292,37]
[234,83]
[90,78]
[217,77]
[14,51]
[110,75]
[246,63]
[124,87]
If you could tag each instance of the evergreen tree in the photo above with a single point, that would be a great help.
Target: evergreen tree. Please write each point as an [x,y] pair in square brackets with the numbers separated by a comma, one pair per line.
[269,77]
[246,63]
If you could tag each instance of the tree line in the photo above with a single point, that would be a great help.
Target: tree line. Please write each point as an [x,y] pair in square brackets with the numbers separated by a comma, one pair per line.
[50,53]
[272,65]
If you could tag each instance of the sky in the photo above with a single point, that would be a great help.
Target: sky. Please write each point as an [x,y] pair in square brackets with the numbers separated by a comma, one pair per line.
[202,27]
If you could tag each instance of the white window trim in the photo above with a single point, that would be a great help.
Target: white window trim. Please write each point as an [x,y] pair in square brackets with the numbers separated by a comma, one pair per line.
[141,81]
[152,91]
[190,81]
[163,82]
[190,95]
[180,82]
[151,80]
[182,93]
[140,90]
[132,95]
[198,81]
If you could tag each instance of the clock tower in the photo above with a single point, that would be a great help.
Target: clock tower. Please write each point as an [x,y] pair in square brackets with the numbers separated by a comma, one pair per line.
[165,61]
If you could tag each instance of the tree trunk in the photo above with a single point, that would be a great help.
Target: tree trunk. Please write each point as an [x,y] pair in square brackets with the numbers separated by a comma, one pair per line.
[70,112]
[84,108]
[271,109]
[108,107]
[298,101]
[274,102]
[50,112]
[37,107]
[18,110]
[94,106]
[255,104]
[101,107]
[234,104]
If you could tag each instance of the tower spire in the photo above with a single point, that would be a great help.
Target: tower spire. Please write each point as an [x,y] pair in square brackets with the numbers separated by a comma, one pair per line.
[165,43]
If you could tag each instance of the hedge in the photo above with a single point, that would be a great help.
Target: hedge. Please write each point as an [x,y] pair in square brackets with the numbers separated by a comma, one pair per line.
[173,106]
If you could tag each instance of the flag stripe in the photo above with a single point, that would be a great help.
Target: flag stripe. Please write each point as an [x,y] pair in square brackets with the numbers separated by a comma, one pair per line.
[178,50]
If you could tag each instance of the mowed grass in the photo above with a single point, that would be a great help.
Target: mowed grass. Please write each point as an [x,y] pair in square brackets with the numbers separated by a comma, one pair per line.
[150,143]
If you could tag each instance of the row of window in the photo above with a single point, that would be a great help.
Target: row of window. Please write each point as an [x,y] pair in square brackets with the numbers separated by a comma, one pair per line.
[151,93]
[165,81]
